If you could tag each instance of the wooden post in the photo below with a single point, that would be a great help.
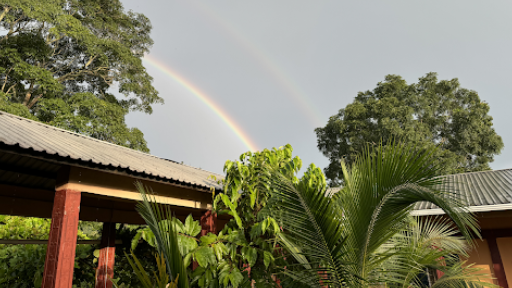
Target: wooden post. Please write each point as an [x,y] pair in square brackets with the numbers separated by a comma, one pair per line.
[497,263]
[107,256]
[60,254]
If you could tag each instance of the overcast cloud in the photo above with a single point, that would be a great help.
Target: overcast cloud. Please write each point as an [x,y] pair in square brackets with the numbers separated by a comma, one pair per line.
[280,69]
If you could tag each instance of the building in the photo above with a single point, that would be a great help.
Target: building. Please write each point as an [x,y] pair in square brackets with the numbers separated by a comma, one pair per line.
[53,173]
[489,195]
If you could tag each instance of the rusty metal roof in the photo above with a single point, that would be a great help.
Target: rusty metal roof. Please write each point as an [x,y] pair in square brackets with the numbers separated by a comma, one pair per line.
[31,136]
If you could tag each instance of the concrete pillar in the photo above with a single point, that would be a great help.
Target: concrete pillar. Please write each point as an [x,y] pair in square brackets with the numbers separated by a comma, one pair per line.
[106,259]
[60,254]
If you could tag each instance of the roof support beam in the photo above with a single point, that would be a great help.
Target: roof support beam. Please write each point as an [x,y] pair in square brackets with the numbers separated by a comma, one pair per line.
[106,184]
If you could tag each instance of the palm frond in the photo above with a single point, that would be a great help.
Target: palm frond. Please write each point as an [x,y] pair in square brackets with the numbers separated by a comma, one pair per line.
[425,243]
[312,234]
[158,218]
[381,189]
[462,275]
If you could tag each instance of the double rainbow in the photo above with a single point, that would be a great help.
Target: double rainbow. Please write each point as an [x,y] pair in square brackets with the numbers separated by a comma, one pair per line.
[205,99]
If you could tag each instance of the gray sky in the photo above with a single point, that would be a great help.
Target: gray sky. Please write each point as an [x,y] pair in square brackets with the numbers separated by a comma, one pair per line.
[279,69]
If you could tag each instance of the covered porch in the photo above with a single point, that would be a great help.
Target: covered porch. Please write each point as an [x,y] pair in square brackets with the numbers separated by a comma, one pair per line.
[52,173]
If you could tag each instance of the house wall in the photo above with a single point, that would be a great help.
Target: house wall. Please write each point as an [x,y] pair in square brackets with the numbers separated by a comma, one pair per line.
[505,248]
[481,257]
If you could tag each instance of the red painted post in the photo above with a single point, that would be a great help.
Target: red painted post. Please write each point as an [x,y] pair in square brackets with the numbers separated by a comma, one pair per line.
[497,263]
[60,254]
[208,223]
[106,259]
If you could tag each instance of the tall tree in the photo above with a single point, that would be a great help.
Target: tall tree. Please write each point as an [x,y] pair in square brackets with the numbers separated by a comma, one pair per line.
[426,113]
[59,59]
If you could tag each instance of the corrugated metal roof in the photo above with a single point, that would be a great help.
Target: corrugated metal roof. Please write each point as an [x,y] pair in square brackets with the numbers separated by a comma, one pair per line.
[480,191]
[31,135]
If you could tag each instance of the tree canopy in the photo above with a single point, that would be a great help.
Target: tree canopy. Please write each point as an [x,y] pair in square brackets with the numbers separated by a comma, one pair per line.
[59,59]
[430,112]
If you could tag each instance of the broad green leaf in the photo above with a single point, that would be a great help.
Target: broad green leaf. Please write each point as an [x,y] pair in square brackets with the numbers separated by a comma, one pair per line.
[186,244]
[251,254]
[220,250]
[136,239]
[232,207]
[208,239]
[267,258]
[236,277]
[264,225]
[205,256]
[190,225]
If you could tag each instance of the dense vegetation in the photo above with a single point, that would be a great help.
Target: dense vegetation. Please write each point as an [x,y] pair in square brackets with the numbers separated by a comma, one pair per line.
[59,60]
[428,113]
[22,266]
[293,232]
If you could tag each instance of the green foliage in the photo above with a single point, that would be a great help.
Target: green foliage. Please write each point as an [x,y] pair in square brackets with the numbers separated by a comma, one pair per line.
[145,253]
[244,251]
[431,243]
[360,236]
[160,223]
[23,265]
[428,113]
[249,236]
[159,279]
[59,58]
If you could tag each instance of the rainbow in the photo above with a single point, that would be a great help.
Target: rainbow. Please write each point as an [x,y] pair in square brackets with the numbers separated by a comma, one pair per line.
[205,99]
[289,86]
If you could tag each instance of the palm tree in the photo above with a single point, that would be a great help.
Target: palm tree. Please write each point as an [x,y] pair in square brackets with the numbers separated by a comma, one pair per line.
[343,239]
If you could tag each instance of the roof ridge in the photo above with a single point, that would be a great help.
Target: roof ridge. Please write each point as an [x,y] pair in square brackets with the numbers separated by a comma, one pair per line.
[97,140]
[477,172]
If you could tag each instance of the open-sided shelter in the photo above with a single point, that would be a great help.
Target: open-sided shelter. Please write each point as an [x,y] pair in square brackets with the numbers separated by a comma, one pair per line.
[53,173]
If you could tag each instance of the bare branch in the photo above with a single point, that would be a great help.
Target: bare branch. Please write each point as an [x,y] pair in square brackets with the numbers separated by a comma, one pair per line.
[34,100]
[29,94]
[5,79]
[6,10]
[8,90]
[90,61]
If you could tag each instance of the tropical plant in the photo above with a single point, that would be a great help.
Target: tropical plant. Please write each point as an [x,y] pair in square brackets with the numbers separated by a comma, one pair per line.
[244,253]
[428,245]
[344,239]
[427,113]
[171,270]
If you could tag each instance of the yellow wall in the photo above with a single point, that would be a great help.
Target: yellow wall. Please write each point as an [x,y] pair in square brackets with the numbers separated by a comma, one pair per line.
[505,247]
[481,256]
